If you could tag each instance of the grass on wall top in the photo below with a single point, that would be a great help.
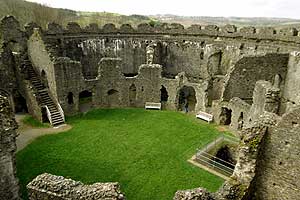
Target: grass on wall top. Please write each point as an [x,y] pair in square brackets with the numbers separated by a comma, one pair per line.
[145,151]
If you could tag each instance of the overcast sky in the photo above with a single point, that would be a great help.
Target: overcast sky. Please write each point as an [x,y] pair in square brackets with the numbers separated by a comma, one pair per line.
[226,8]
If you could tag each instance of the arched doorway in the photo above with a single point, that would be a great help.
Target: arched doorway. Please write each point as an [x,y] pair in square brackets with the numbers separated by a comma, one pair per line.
[132,95]
[225,116]
[163,94]
[186,99]
[70,98]
[113,99]
[20,103]
[85,100]
[163,97]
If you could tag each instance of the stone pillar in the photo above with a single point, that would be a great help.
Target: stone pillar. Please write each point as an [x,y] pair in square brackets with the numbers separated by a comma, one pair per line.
[9,189]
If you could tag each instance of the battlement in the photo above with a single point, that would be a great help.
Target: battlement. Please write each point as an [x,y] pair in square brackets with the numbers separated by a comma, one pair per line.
[174,29]
[231,31]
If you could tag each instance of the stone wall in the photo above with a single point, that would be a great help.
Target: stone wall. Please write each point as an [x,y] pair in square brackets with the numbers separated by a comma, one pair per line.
[291,96]
[9,189]
[47,186]
[69,77]
[266,97]
[240,185]
[8,80]
[278,171]
[249,70]
[214,60]
[41,60]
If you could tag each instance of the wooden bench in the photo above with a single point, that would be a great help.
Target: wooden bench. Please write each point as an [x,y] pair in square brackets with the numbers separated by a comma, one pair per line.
[151,105]
[205,116]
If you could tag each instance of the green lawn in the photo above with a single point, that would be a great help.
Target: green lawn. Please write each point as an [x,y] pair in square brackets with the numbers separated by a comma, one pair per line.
[145,151]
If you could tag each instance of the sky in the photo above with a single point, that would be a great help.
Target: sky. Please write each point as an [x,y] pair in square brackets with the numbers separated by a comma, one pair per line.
[215,8]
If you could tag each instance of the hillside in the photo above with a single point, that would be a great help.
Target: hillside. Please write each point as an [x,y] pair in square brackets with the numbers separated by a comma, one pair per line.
[27,12]
[238,21]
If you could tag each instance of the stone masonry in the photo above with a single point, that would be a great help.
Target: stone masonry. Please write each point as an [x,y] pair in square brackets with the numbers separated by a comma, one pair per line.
[9,189]
[47,186]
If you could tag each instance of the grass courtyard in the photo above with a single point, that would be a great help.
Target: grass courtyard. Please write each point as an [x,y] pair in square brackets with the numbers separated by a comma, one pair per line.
[145,151]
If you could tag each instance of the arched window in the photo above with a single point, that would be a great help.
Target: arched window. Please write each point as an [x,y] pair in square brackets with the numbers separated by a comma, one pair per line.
[186,98]
[163,94]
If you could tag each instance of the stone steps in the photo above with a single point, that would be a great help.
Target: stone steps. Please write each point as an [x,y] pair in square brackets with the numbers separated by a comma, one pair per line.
[45,99]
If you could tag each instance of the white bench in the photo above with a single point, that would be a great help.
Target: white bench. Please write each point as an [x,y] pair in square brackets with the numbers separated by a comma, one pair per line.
[151,105]
[205,116]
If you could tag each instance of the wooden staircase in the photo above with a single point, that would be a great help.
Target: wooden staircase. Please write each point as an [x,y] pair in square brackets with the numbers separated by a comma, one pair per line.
[54,112]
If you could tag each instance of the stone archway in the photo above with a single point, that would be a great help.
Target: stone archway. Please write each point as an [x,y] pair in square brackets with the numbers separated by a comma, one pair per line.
[132,95]
[20,103]
[186,99]
[225,116]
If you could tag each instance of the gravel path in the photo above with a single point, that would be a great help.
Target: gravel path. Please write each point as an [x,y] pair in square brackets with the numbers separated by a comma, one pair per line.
[27,133]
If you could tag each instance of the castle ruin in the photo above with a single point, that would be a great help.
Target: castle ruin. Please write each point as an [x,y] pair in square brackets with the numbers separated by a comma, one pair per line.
[247,78]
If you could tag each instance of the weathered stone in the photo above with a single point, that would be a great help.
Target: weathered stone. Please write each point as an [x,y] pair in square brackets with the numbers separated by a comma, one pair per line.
[229,28]
[73,27]
[9,188]
[53,28]
[194,194]
[47,186]
[94,28]
[109,28]
[126,28]
[248,30]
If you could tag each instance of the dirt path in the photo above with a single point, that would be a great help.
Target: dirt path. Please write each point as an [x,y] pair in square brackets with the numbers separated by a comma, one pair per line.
[27,134]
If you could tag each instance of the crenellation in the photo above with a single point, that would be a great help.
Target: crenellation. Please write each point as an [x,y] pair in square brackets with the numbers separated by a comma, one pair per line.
[228,31]
[229,28]
[73,27]
[267,31]
[110,28]
[144,27]
[288,32]
[126,28]
[92,28]
[54,28]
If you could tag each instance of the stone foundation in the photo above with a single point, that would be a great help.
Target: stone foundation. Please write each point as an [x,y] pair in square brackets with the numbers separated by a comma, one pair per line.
[47,186]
